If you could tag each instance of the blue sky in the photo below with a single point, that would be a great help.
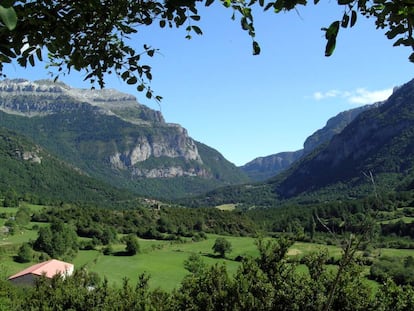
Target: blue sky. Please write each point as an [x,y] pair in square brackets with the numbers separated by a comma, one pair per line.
[248,106]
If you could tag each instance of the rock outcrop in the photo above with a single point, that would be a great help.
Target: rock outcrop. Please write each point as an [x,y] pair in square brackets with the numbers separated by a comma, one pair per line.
[110,136]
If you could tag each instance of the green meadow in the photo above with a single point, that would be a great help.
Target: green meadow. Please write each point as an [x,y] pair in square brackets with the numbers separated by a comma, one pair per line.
[163,261]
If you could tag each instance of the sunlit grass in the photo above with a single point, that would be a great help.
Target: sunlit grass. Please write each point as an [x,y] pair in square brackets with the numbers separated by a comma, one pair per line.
[226,207]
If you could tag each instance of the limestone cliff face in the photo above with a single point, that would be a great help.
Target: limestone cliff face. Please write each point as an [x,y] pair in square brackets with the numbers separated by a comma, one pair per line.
[45,98]
[108,135]
[179,146]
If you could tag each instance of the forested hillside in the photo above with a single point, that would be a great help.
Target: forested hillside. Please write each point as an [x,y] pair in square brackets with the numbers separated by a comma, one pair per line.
[33,174]
[264,168]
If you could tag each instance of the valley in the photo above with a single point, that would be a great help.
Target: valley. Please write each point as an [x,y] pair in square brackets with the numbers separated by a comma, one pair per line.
[98,180]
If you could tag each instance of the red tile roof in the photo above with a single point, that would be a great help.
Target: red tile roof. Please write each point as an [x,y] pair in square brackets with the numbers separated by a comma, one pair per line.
[49,268]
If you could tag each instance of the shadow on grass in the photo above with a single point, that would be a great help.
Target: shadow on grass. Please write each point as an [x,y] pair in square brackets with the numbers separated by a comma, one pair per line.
[214,256]
[122,253]
[238,258]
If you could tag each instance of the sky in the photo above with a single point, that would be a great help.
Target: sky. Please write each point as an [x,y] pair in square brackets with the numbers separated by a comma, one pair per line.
[249,106]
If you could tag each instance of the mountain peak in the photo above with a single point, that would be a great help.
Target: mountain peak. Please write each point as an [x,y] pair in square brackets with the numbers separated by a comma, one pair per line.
[42,97]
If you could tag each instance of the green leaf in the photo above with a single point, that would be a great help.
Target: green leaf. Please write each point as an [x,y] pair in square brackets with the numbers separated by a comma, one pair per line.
[256,48]
[140,87]
[345,20]
[315,2]
[353,18]
[345,2]
[332,31]
[125,75]
[195,17]
[132,80]
[39,54]
[278,6]
[31,60]
[209,2]
[400,29]
[8,17]
[330,47]
[268,6]
[197,30]
[7,51]
[411,58]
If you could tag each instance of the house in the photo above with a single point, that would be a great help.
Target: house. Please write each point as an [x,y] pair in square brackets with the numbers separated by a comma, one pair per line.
[48,268]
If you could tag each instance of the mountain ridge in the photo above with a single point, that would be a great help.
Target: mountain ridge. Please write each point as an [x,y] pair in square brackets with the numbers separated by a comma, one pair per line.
[269,166]
[374,153]
[113,139]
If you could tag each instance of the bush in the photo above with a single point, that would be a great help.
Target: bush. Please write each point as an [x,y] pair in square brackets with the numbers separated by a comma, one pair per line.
[25,253]
[221,246]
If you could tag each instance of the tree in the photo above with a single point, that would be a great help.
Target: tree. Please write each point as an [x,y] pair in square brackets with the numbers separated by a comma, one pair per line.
[25,253]
[194,263]
[11,199]
[221,246]
[23,216]
[58,241]
[131,244]
[92,35]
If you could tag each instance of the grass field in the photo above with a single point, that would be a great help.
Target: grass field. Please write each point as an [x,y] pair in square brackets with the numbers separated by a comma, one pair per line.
[226,207]
[404,219]
[162,260]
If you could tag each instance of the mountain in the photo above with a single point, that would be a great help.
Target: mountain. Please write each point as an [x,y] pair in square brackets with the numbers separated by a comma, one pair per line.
[33,173]
[109,136]
[373,153]
[380,141]
[263,168]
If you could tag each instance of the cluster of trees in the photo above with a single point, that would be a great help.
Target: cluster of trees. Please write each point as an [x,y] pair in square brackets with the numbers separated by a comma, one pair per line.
[169,223]
[268,282]
[59,240]
[400,270]
[307,220]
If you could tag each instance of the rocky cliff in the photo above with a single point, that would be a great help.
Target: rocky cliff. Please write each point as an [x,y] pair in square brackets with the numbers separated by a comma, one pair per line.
[110,136]
[263,168]
[266,167]
[378,142]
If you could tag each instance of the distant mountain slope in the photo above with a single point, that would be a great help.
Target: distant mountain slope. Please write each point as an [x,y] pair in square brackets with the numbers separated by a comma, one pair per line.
[111,137]
[38,176]
[263,168]
[334,126]
[380,141]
